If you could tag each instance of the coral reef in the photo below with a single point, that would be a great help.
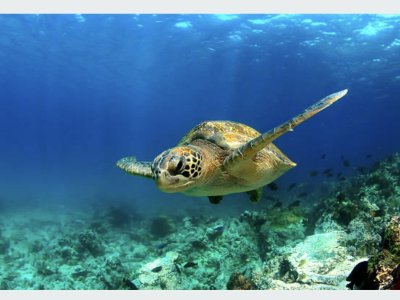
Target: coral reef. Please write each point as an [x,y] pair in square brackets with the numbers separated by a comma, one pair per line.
[274,246]
[238,281]
[363,205]
[381,271]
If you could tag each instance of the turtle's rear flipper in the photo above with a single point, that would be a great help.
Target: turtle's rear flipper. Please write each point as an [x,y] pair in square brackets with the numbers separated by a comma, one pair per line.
[248,150]
[215,199]
[255,195]
[131,166]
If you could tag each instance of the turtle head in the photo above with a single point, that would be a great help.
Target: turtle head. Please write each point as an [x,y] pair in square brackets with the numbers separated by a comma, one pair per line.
[177,169]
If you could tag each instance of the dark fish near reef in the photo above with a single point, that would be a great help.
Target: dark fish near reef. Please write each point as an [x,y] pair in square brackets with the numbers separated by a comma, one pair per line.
[177,268]
[368,155]
[292,186]
[157,269]
[323,155]
[272,186]
[362,169]
[327,171]
[294,204]
[345,161]
[313,173]
[358,276]
[277,205]
[162,244]
[301,195]
[129,284]
[190,264]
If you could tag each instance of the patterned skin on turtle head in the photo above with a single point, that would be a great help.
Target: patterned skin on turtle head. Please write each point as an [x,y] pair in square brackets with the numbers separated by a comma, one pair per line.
[177,169]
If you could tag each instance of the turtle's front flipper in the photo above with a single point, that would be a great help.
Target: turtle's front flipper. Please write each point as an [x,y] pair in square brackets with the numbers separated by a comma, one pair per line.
[249,149]
[131,166]
[215,199]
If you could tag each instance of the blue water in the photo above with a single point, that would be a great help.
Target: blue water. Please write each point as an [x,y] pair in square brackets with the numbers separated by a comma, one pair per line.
[79,92]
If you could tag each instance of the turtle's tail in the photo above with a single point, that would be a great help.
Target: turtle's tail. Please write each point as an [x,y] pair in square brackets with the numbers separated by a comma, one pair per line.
[252,147]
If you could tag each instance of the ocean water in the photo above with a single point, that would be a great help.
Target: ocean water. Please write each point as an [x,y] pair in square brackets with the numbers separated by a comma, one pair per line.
[79,92]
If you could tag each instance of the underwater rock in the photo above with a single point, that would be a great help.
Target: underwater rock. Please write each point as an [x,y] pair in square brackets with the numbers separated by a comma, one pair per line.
[198,244]
[89,241]
[214,232]
[320,258]
[166,275]
[161,227]
[238,281]
[282,227]
[114,274]
[287,272]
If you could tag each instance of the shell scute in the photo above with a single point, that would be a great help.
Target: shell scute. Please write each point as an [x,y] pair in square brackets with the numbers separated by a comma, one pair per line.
[226,134]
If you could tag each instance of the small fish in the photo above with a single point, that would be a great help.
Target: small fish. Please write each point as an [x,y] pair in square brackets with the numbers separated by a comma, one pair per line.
[342,179]
[313,173]
[292,186]
[362,169]
[190,264]
[339,175]
[323,155]
[177,268]
[368,155]
[329,175]
[329,170]
[277,205]
[272,186]
[346,163]
[161,245]
[218,228]
[156,269]
[301,195]
[130,284]
[294,204]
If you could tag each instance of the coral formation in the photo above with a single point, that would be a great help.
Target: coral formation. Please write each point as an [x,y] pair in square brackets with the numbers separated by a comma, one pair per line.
[289,245]
[382,270]
[238,281]
[161,226]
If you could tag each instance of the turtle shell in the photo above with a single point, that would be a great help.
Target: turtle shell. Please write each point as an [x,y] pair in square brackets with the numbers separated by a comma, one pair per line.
[226,134]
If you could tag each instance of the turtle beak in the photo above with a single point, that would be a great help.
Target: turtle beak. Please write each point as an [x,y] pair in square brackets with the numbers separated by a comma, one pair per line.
[169,184]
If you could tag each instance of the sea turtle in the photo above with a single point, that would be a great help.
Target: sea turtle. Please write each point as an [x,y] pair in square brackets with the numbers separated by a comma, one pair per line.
[217,158]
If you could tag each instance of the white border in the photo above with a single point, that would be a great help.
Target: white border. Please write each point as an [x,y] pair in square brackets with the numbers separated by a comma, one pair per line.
[199,295]
[200,6]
